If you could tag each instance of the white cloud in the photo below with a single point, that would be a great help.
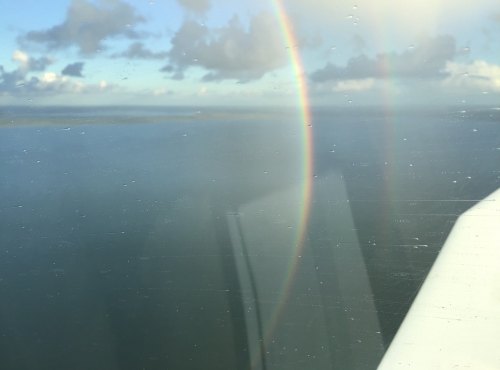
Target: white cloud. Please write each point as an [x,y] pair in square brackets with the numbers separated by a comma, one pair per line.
[478,75]
[354,85]
[161,91]
[20,56]
[28,63]
[52,82]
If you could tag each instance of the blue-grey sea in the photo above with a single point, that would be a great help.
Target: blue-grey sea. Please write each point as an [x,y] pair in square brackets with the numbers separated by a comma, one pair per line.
[168,238]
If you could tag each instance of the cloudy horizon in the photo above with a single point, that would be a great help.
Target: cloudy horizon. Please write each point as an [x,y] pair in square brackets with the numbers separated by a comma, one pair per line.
[204,52]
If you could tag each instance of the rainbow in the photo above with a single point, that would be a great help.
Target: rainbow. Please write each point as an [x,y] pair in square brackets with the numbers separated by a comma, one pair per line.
[306,166]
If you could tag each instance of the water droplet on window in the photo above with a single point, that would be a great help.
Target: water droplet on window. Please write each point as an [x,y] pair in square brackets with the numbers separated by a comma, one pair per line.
[354,7]
[350,16]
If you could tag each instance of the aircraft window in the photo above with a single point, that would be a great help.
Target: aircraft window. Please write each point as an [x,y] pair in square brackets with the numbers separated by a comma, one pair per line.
[279,184]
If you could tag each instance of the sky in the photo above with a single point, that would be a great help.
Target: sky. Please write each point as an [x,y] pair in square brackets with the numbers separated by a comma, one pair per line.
[220,52]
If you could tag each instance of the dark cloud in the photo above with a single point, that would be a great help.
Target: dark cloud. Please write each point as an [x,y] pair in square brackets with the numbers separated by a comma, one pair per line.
[87,25]
[9,81]
[196,6]
[73,69]
[230,52]
[137,51]
[38,64]
[426,60]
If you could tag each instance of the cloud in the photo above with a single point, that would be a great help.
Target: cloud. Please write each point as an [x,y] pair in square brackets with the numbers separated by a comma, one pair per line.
[478,75]
[73,69]
[28,63]
[87,25]
[195,6]
[21,81]
[229,52]
[409,17]
[10,81]
[16,83]
[426,60]
[359,43]
[52,82]
[137,50]
[162,91]
[354,85]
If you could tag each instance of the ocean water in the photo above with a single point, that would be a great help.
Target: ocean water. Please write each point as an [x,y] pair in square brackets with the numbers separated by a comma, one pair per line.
[155,238]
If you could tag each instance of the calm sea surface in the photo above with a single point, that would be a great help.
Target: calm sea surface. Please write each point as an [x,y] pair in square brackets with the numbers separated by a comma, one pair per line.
[134,238]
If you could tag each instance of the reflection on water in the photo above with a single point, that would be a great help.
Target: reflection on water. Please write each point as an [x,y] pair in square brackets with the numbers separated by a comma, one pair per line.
[171,242]
[310,306]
